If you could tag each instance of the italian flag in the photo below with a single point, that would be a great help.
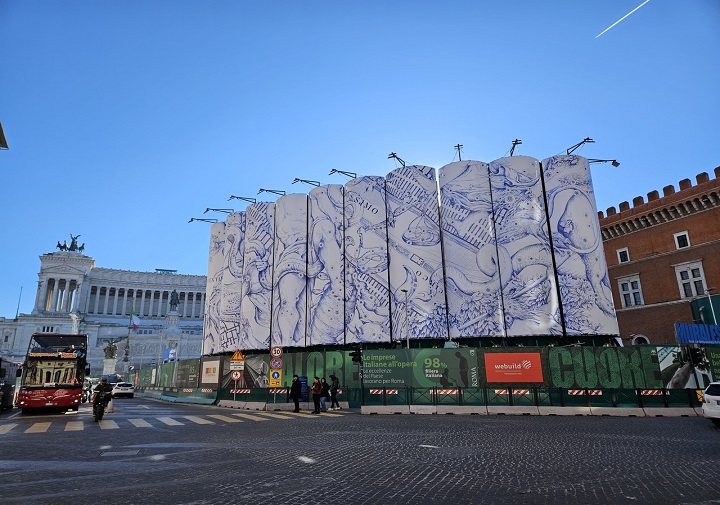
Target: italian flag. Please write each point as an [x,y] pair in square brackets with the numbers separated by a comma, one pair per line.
[135,320]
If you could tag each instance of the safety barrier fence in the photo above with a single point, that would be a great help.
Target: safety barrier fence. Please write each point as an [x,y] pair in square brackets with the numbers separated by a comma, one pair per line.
[538,397]
[489,397]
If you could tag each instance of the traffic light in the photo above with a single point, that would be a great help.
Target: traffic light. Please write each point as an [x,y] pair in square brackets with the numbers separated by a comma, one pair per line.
[357,355]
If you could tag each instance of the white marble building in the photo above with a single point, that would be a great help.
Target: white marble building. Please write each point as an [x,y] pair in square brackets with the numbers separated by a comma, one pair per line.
[75,296]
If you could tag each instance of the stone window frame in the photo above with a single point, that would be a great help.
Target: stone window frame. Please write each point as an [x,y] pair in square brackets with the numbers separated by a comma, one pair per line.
[630,290]
[619,255]
[693,283]
[677,237]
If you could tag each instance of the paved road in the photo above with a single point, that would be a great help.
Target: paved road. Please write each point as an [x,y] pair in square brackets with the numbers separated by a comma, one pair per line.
[163,453]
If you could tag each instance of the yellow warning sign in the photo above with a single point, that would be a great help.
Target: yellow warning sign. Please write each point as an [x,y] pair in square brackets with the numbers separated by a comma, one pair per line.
[238,356]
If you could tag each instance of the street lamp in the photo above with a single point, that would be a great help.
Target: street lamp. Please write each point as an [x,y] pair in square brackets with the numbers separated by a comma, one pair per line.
[407,321]
[712,309]
[614,163]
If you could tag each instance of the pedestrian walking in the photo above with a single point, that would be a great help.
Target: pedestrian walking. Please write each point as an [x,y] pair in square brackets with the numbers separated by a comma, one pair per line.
[324,395]
[316,390]
[296,392]
[334,386]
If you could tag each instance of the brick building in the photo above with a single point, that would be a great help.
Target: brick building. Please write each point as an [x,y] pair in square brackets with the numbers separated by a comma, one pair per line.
[663,258]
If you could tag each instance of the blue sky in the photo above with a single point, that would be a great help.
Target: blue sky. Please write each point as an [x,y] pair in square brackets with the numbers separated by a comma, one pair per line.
[126,119]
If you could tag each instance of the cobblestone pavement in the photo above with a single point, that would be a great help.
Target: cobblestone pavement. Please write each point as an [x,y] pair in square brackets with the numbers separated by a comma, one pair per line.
[356,459]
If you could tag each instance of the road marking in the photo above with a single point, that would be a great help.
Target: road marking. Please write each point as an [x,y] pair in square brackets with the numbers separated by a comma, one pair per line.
[275,416]
[300,414]
[74,426]
[6,427]
[170,421]
[108,425]
[38,428]
[140,423]
[429,446]
[250,416]
[226,418]
[198,420]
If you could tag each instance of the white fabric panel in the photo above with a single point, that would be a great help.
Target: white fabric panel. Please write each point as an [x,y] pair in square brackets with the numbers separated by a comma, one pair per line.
[213,293]
[585,291]
[415,254]
[232,282]
[472,273]
[256,300]
[326,267]
[367,302]
[289,308]
[530,299]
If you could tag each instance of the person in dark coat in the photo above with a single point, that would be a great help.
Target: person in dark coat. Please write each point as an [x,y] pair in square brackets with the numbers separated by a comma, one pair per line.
[325,394]
[296,392]
[334,387]
[316,390]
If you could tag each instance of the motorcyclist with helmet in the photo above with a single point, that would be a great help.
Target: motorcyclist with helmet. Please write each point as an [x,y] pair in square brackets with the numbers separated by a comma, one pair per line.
[103,392]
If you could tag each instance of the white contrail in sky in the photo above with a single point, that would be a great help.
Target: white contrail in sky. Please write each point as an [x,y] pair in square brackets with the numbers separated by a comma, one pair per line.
[626,15]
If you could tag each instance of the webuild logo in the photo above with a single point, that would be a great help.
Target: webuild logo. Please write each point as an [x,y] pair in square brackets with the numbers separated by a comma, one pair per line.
[513,367]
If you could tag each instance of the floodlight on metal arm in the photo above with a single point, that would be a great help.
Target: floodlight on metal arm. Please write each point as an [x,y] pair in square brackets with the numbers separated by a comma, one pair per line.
[586,140]
[515,143]
[244,198]
[614,163]
[275,191]
[224,211]
[311,183]
[352,175]
[203,220]
[395,156]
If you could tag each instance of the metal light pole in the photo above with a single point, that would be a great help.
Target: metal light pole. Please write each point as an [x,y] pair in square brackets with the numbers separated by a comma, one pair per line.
[407,321]
[712,309]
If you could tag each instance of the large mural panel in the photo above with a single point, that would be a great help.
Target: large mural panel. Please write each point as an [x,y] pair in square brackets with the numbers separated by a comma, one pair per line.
[585,291]
[289,308]
[232,282]
[326,267]
[472,270]
[530,299]
[416,274]
[256,303]
[367,299]
[213,293]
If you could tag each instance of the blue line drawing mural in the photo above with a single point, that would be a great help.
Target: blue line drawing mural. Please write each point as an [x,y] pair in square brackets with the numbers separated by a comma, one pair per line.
[367,301]
[577,243]
[353,264]
[213,293]
[257,276]
[415,254]
[530,299]
[326,266]
[290,276]
[232,282]
[472,270]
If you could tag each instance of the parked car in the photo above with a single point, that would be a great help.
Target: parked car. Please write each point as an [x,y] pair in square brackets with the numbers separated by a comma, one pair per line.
[123,389]
[711,403]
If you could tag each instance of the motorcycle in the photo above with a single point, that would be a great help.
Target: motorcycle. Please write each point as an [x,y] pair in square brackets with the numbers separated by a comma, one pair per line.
[99,404]
[86,394]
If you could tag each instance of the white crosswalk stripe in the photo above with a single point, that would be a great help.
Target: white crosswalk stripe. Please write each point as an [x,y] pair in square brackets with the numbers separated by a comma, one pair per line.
[140,423]
[114,423]
[170,421]
[227,419]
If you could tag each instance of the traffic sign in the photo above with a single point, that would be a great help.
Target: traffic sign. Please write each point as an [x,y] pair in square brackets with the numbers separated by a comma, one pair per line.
[237,365]
[276,351]
[238,356]
[276,363]
[236,375]
[276,379]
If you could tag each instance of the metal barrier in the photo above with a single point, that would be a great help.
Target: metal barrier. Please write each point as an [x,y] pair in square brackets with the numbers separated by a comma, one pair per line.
[603,399]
